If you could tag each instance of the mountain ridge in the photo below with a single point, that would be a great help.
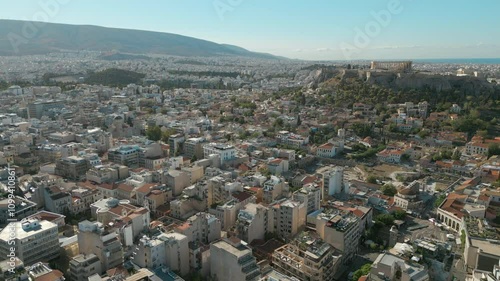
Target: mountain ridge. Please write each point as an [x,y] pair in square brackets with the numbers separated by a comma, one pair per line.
[56,37]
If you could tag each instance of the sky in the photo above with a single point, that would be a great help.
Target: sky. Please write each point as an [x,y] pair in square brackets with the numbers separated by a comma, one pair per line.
[312,30]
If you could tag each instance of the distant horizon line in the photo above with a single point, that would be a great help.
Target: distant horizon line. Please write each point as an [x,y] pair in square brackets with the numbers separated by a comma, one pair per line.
[470,60]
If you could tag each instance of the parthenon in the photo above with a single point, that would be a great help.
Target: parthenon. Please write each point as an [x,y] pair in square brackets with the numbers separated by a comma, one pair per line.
[402,66]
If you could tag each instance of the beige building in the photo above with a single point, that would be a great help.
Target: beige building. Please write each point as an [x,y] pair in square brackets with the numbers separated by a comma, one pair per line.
[230,260]
[227,213]
[35,240]
[408,197]
[104,242]
[202,227]
[167,249]
[81,267]
[274,188]
[107,174]
[176,180]
[341,230]
[310,195]
[253,222]
[287,218]
[194,172]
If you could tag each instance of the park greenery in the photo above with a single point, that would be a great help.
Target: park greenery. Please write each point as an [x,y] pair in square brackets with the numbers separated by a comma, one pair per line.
[364,270]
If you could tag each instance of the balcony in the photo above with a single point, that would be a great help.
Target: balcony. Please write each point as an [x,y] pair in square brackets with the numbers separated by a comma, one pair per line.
[245,259]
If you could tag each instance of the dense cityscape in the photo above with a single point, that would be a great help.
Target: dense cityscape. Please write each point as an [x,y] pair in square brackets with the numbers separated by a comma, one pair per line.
[119,166]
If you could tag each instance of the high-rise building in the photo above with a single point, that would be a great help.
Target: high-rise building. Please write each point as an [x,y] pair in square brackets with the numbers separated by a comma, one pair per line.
[232,260]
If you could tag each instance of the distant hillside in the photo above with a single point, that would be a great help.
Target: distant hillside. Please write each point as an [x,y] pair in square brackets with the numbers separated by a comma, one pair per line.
[57,37]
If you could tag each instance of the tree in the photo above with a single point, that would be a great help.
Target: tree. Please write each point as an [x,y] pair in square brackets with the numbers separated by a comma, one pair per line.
[399,214]
[371,179]
[278,123]
[165,135]
[364,270]
[154,133]
[385,219]
[493,149]
[362,130]
[439,200]
[389,189]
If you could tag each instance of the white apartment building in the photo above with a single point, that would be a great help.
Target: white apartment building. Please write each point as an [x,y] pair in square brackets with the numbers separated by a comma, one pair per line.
[35,240]
[225,152]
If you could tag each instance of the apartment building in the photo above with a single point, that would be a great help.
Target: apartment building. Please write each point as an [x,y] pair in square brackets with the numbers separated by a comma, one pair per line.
[82,198]
[202,227]
[175,141]
[127,155]
[341,230]
[232,260]
[307,258]
[274,188]
[482,244]
[225,152]
[104,242]
[310,195]
[288,217]
[35,240]
[81,267]
[167,249]
[23,208]
[72,167]
[291,139]
[388,267]
[107,174]
[253,222]
[176,180]
[193,148]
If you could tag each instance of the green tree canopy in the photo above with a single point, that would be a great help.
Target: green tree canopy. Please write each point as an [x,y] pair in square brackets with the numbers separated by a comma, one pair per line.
[153,133]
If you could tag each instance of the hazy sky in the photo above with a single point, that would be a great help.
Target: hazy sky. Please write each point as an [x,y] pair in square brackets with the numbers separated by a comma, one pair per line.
[318,29]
